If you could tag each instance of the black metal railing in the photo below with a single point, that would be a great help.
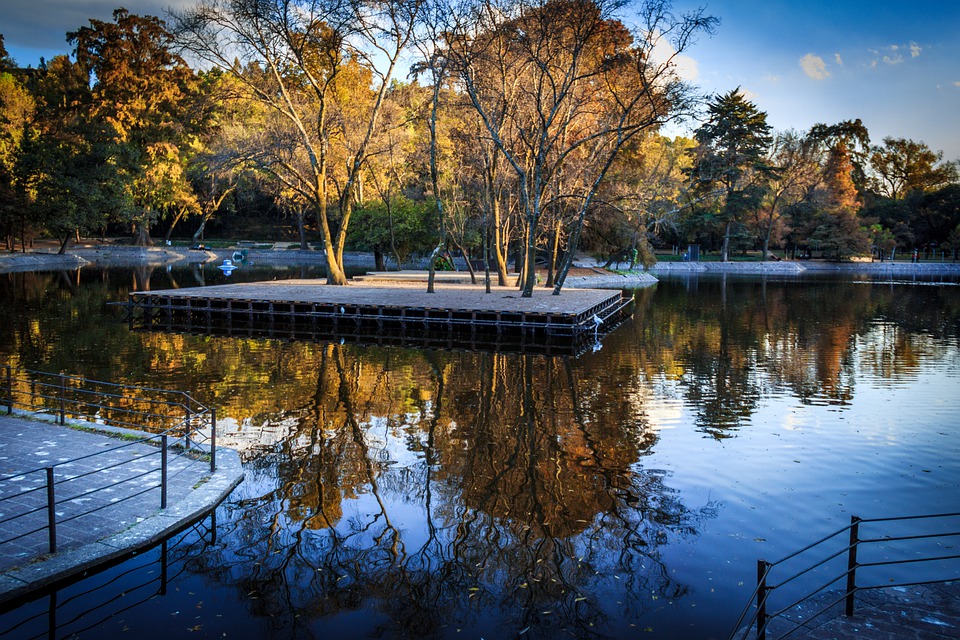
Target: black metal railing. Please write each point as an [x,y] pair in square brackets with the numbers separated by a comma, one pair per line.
[81,607]
[173,422]
[909,549]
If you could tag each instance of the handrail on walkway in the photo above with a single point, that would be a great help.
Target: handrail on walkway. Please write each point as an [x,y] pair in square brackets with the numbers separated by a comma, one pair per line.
[848,552]
[156,415]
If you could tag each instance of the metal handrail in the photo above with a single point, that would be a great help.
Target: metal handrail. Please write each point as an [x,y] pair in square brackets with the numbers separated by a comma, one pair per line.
[759,598]
[140,408]
[174,414]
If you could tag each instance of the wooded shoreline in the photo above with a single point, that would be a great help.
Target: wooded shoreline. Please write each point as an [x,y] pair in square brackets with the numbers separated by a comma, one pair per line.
[588,274]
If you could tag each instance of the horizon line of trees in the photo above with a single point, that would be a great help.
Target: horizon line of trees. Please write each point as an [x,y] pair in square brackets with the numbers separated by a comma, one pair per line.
[526,128]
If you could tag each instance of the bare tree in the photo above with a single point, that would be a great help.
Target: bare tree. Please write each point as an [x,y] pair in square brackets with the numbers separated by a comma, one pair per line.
[291,56]
[553,81]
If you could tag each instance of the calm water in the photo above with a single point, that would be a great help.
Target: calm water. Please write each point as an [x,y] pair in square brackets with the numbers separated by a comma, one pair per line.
[625,493]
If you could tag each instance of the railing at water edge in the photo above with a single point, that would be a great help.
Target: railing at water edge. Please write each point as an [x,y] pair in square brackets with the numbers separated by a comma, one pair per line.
[919,559]
[172,421]
[142,579]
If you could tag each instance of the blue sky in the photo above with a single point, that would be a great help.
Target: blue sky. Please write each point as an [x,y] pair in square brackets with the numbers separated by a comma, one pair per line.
[895,65]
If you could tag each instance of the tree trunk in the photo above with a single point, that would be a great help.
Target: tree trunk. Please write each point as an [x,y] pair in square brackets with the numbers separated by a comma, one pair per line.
[335,273]
[393,239]
[64,244]
[466,257]
[141,235]
[198,234]
[554,251]
[432,269]
[498,244]
[302,231]
[379,264]
[726,242]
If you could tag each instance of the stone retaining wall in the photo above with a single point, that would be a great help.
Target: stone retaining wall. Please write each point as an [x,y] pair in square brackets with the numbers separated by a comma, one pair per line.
[800,268]
[39,262]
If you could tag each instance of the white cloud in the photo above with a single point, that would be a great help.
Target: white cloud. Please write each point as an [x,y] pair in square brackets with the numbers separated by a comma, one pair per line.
[839,60]
[814,67]
[685,67]
[772,78]
[895,53]
[956,84]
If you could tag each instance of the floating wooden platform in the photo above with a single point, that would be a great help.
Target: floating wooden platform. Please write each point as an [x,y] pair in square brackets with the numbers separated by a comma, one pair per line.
[311,308]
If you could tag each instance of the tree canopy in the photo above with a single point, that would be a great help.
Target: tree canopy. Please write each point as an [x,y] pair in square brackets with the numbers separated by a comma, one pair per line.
[524,132]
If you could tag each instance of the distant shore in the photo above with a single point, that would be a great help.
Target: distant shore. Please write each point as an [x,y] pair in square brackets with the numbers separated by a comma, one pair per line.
[589,273]
[807,267]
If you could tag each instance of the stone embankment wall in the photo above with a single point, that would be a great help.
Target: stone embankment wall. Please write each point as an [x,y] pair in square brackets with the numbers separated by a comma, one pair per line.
[127,256]
[611,281]
[13,262]
[898,269]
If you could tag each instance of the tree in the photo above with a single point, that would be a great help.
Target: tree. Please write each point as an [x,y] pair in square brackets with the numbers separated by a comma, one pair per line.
[16,114]
[296,58]
[6,62]
[901,166]
[839,233]
[143,92]
[403,228]
[560,82]
[730,158]
[68,166]
[797,173]
[855,139]
[643,199]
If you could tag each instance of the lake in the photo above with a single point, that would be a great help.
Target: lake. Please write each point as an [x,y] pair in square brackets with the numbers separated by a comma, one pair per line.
[627,492]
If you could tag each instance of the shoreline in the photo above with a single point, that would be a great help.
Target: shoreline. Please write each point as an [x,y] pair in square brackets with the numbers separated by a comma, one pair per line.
[128,256]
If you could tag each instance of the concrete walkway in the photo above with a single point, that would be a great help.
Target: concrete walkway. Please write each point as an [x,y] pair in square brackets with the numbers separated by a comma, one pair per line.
[107,505]
[921,612]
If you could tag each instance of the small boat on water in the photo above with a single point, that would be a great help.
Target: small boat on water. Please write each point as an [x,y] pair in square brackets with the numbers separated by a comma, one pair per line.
[227,267]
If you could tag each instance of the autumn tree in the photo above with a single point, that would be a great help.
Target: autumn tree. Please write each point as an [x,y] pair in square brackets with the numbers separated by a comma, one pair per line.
[796,159]
[142,91]
[296,58]
[563,80]
[68,166]
[730,158]
[839,233]
[17,107]
[901,166]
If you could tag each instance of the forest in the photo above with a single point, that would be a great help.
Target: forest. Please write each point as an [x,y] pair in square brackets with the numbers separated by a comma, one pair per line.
[505,131]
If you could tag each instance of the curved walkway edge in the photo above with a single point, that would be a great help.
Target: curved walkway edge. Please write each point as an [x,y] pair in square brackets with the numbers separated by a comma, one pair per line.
[201,499]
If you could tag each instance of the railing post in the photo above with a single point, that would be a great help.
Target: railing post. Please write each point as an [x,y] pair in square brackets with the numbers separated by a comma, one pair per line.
[52,616]
[213,440]
[51,512]
[163,471]
[63,401]
[9,390]
[163,568]
[763,567]
[186,430]
[852,563]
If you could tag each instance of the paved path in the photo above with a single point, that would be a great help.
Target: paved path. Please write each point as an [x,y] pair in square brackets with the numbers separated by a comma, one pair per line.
[107,504]
[923,612]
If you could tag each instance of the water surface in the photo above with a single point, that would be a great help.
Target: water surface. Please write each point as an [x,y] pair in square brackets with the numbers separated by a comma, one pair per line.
[627,492]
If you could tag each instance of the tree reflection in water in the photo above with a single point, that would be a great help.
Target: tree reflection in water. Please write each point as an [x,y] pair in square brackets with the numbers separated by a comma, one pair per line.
[486,491]
[424,489]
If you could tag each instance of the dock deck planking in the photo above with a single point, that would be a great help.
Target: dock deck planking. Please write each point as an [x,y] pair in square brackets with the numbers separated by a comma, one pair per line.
[463,307]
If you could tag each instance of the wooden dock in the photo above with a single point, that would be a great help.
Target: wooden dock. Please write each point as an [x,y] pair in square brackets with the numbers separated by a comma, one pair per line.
[310,308]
